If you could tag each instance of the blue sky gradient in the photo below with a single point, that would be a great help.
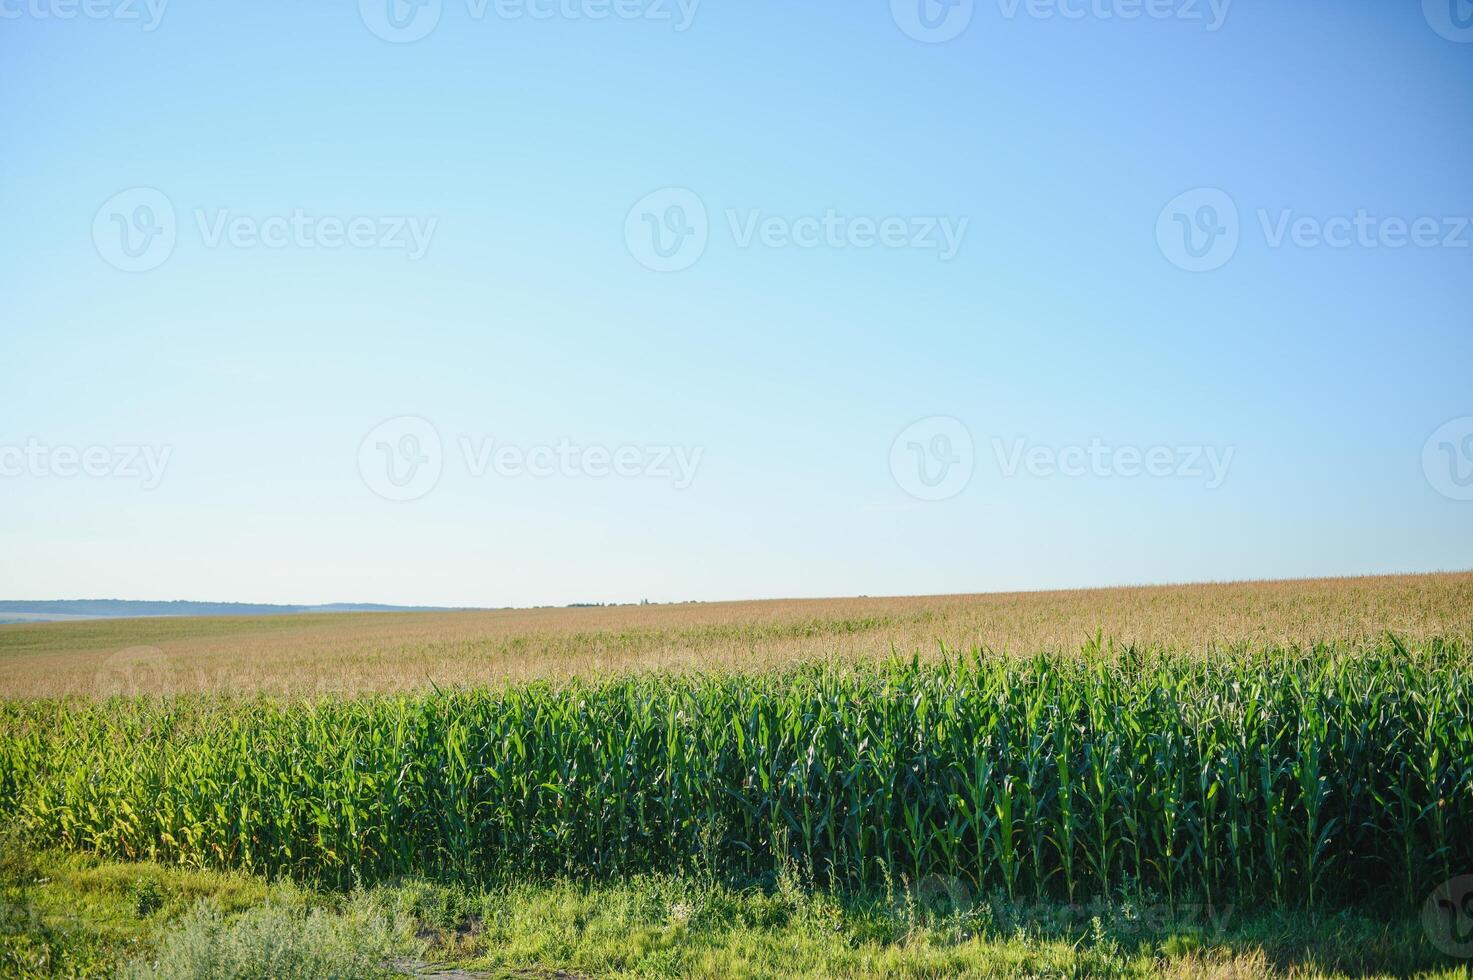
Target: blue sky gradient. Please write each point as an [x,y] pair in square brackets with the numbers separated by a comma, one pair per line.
[1061,321]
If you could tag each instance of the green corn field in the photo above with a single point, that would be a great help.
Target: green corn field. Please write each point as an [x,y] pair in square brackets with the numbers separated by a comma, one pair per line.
[1299,777]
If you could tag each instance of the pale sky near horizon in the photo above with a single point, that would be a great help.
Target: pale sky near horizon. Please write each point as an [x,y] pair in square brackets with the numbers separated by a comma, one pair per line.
[543,301]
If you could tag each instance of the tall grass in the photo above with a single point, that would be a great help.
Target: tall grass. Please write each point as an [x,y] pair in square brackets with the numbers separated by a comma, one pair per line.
[1289,777]
[271,942]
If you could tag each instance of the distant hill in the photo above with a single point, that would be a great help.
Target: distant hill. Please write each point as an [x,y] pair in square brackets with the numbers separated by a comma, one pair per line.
[21,610]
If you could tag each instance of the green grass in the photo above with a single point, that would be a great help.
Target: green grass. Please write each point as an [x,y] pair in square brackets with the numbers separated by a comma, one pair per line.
[83,918]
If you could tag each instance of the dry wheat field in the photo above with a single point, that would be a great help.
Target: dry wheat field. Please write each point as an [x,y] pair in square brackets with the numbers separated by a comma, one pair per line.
[366,652]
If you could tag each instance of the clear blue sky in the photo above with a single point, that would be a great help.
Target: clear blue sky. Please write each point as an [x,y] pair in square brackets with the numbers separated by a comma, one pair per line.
[1061,321]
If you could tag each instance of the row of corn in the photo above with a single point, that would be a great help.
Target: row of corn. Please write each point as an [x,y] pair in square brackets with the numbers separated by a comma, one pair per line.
[1313,777]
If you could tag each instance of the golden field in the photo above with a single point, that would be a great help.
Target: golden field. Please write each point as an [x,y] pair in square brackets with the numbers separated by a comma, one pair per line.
[359,652]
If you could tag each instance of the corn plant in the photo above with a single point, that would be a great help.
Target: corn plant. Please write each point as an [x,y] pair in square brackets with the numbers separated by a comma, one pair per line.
[1313,776]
